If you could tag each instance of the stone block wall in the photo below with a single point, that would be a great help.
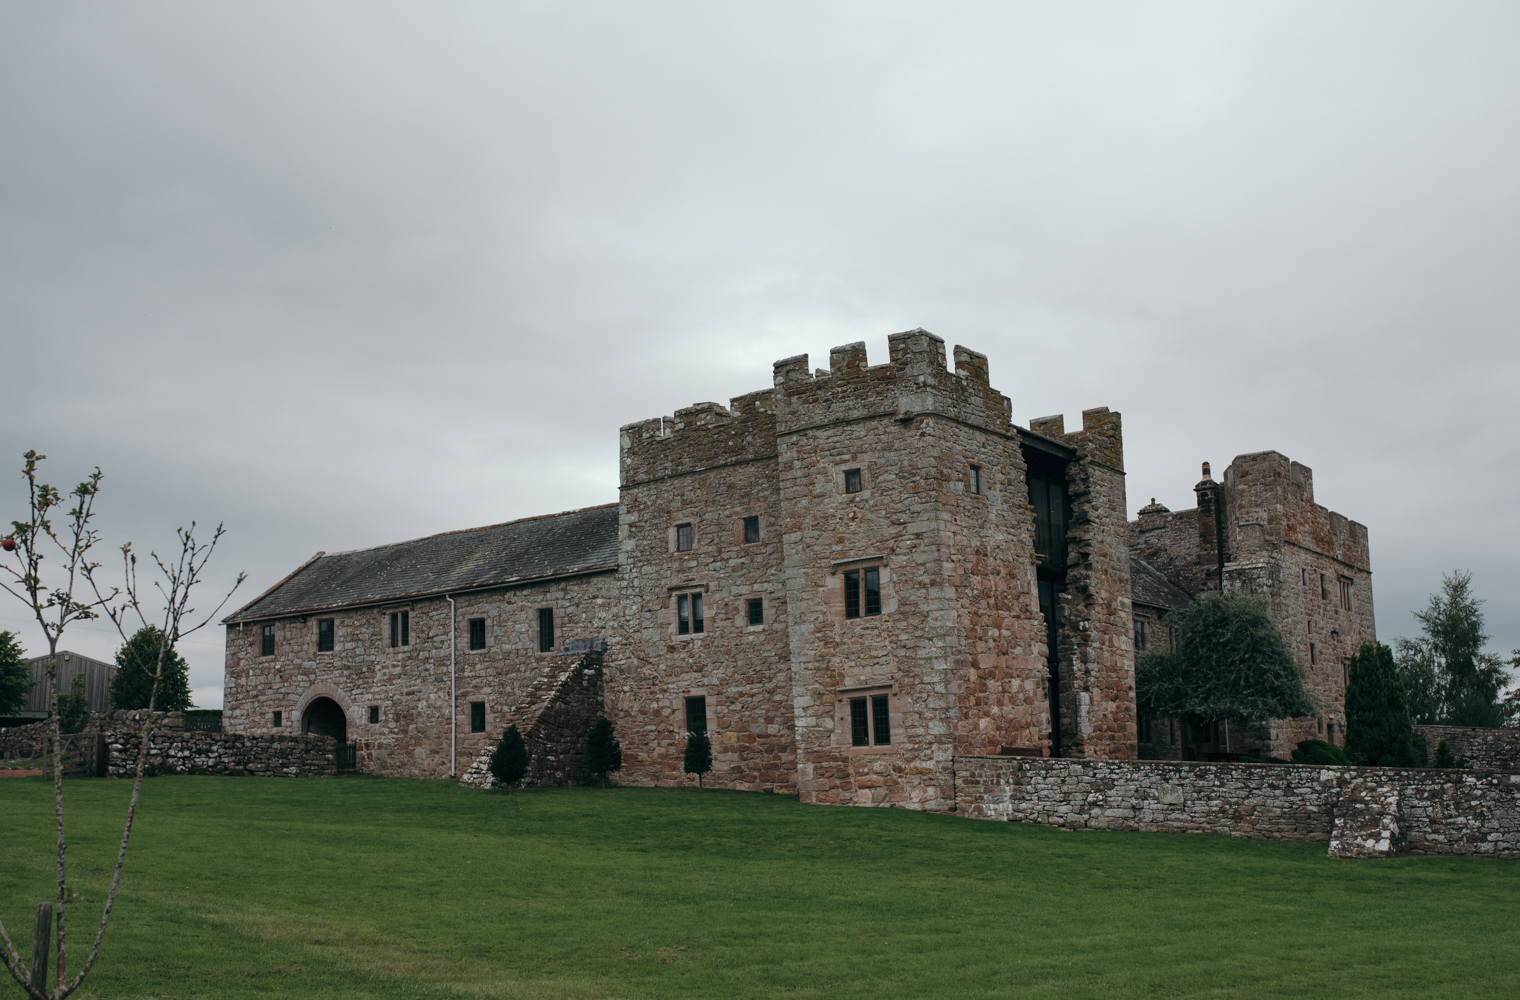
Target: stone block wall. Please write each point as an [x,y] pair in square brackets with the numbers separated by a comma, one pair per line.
[1385,809]
[1480,748]
[553,721]
[177,751]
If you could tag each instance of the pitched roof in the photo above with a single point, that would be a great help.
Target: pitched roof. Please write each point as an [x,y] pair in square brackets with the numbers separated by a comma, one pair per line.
[1148,586]
[516,552]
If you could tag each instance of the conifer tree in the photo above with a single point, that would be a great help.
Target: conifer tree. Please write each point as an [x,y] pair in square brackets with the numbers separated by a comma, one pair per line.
[15,674]
[604,753]
[510,761]
[1444,756]
[1378,728]
[699,759]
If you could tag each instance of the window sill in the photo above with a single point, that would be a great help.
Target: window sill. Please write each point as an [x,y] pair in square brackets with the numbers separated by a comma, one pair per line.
[854,751]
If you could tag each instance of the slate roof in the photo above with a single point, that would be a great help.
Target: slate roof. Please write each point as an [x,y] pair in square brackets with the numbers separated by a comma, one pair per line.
[1148,586]
[515,552]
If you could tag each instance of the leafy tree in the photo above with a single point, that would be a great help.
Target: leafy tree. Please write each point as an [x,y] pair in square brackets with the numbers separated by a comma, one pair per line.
[1320,752]
[1378,728]
[136,663]
[1448,676]
[1231,663]
[699,759]
[74,707]
[604,753]
[509,764]
[15,674]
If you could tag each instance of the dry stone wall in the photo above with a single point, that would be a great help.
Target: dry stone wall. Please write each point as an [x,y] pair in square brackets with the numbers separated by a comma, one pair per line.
[1385,809]
[174,750]
[1479,748]
[25,742]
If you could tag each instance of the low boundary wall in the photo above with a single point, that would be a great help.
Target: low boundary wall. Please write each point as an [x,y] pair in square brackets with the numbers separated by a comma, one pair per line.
[1357,811]
[1475,747]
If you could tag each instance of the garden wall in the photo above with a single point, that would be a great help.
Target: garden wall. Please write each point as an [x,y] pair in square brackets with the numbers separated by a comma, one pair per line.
[1484,749]
[173,750]
[1359,812]
[24,742]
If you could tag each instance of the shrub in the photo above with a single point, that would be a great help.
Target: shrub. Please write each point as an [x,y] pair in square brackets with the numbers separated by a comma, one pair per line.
[1378,728]
[74,707]
[509,764]
[604,753]
[1320,752]
[699,759]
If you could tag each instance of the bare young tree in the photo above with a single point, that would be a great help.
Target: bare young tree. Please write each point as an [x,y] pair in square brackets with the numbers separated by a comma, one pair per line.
[54,608]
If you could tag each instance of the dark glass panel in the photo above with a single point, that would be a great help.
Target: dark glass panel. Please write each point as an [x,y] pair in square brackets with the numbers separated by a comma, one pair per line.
[852,481]
[852,594]
[860,723]
[696,714]
[751,529]
[756,611]
[683,538]
[882,718]
[873,591]
[546,630]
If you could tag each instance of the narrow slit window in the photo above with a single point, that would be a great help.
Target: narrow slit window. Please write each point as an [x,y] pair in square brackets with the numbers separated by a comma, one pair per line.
[324,635]
[751,530]
[477,716]
[756,611]
[683,538]
[1324,594]
[860,723]
[881,720]
[546,630]
[279,719]
[477,633]
[976,479]
[852,481]
[696,714]
[1311,654]
[266,641]
[374,714]
[401,628]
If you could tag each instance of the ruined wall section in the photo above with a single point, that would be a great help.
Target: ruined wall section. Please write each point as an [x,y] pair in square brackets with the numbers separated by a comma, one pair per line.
[710,467]
[958,648]
[410,684]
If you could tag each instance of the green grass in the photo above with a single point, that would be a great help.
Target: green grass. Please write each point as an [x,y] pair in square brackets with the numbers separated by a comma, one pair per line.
[367,887]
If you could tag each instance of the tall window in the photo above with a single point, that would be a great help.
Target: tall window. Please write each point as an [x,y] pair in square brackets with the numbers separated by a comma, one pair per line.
[870,721]
[1047,495]
[401,628]
[266,641]
[477,633]
[683,538]
[756,611]
[546,630]
[279,720]
[689,614]
[1139,634]
[751,530]
[976,479]
[1311,654]
[374,714]
[696,714]
[477,716]
[1346,593]
[852,481]
[324,635]
[862,592]
[1324,594]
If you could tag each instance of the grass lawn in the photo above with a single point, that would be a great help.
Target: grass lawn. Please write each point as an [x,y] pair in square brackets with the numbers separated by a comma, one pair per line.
[370,887]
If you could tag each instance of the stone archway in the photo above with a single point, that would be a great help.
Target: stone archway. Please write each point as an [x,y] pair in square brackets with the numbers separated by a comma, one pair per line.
[324,717]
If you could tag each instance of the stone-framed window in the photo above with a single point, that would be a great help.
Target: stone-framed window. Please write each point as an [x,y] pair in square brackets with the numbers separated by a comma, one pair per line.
[325,630]
[974,479]
[683,537]
[1345,593]
[546,630]
[279,719]
[266,640]
[696,713]
[477,633]
[374,714]
[477,716]
[865,722]
[400,629]
[751,529]
[853,483]
[690,618]
[1139,635]
[862,592]
[755,607]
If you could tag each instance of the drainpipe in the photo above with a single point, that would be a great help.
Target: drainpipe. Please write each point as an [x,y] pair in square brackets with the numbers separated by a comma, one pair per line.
[453,695]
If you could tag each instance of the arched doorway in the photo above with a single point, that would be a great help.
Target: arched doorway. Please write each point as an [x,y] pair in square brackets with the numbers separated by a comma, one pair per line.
[325,717]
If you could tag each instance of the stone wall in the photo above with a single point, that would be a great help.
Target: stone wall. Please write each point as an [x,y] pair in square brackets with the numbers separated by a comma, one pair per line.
[25,742]
[1359,812]
[175,751]
[553,721]
[1474,747]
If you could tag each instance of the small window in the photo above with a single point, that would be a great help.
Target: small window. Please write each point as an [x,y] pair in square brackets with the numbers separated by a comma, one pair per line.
[477,716]
[477,633]
[324,635]
[1345,594]
[683,538]
[401,628]
[689,614]
[751,530]
[546,630]
[1346,673]
[279,718]
[852,481]
[862,592]
[1139,635]
[374,714]
[1311,654]
[870,721]
[1324,594]
[976,479]
[266,637]
[1304,577]
[696,714]
[1320,727]
[756,611]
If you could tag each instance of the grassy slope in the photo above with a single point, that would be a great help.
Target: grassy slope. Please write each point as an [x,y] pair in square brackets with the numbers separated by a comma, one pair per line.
[375,887]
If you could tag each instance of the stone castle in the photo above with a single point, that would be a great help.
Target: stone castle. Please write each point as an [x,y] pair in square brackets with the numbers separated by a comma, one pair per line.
[848,579]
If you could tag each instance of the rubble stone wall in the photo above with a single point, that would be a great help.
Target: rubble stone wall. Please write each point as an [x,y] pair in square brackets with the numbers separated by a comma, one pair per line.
[1480,748]
[1418,810]
[554,723]
[176,751]
[25,742]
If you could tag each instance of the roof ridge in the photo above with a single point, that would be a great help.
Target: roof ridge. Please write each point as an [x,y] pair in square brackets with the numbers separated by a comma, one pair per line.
[466,531]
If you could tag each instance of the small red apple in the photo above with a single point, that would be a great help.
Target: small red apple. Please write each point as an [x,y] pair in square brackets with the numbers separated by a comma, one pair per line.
[8,544]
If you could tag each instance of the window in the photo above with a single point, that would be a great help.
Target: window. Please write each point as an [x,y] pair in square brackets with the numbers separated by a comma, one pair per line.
[683,538]
[852,481]
[1047,495]
[477,633]
[1311,654]
[401,628]
[696,714]
[751,530]
[1346,593]
[976,479]
[266,647]
[689,614]
[1147,730]
[477,716]
[870,721]
[1139,634]
[374,714]
[546,630]
[324,635]
[1346,672]
[756,611]
[856,603]
[1324,594]
[279,719]
[1304,577]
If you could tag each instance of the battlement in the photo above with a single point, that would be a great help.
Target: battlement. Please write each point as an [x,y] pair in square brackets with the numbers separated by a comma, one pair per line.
[700,436]
[1101,437]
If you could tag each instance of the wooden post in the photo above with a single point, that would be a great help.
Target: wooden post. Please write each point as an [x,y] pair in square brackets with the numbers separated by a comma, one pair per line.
[40,940]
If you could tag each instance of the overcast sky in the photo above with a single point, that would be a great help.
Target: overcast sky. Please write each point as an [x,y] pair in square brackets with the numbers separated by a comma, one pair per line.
[345,274]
